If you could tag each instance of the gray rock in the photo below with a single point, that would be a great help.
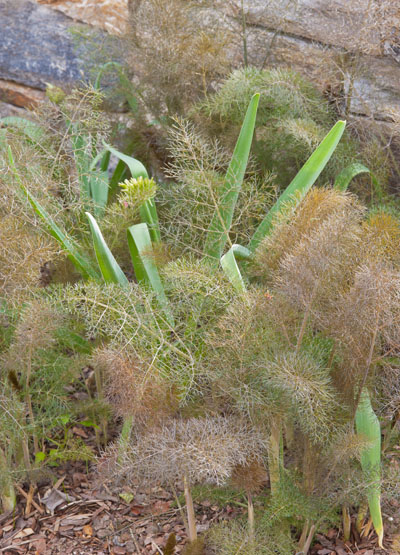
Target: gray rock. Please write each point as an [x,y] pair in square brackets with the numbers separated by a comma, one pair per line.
[40,45]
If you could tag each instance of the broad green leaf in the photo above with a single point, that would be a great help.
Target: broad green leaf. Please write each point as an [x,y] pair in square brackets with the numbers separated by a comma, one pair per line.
[218,231]
[350,172]
[148,215]
[231,268]
[98,188]
[302,182]
[117,176]
[83,265]
[40,456]
[105,160]
[103,157]
[109,267]
[140,247]
[368,428]
[135,167]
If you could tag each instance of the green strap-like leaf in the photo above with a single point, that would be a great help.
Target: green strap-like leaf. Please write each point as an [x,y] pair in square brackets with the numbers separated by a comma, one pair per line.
[117,176]
[105,160]
[98,187]
[140,247]
[303,181]
[109,267]
[83,265]
[218,231]
[148,215]
[368,428]
[231,268]
[135,167]
[350,172]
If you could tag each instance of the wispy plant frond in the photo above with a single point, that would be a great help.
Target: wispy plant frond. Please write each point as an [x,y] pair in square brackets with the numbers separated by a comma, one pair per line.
[303,386]
[293,224]
[133,385]
[203,449]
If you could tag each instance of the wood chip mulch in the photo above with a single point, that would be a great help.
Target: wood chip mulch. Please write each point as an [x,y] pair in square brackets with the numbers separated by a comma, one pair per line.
[73,517]
[76,515]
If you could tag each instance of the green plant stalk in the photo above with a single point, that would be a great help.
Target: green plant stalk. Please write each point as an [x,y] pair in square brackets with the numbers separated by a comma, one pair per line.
[28,399]
[250,517]
[100,394]
[8,497]
[192,532]
[274,455]
[362,513]
[125,436]
[368,427]
[346,523]
[218,232]
[303,181]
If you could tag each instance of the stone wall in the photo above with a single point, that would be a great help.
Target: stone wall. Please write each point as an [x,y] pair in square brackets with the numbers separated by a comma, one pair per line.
[110,15]
[341,44]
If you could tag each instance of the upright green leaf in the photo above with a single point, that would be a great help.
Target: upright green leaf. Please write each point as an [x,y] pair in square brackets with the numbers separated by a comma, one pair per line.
[218,232]
[303,181]
[93,181]
[109,267]
[105,160]
[231,268]
[135,167]
[140,247]
[368,428]
[148,215]
[98,187]
[350,172]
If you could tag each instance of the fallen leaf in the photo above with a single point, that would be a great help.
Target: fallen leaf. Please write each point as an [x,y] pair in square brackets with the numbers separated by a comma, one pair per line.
[160,507]
[127,497]
[23,533]
[79,432]
[87,531]
[54,498]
